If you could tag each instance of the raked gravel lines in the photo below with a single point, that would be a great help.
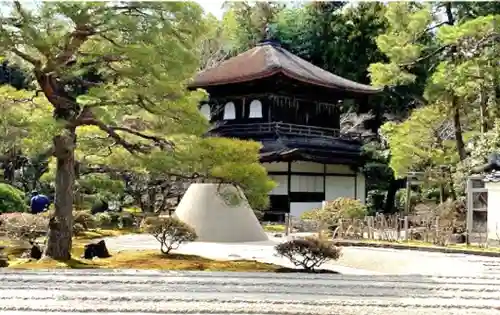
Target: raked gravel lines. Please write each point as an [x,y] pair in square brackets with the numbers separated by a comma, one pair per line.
[93,292]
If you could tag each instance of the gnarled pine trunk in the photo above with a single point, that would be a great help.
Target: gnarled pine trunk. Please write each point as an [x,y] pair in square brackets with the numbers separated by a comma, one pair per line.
[60,232]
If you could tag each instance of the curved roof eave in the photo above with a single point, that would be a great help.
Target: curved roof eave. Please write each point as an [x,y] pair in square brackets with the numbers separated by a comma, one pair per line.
[366,89]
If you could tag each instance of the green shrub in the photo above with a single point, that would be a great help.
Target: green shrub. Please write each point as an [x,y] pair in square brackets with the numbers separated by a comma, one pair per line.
[115,219]
[401,194]
[279,228]
[11,199]
[132,210]
[85,219]
[78,229]
[375,201]
[169,232]
[127,220]
[340,208]
[308,253]
[24,226]
[103,219]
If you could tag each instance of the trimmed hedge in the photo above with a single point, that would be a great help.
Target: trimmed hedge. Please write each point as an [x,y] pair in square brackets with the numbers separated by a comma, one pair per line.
[11,199]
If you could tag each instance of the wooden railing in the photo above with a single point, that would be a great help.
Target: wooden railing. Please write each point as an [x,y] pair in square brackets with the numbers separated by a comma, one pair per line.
[283,129]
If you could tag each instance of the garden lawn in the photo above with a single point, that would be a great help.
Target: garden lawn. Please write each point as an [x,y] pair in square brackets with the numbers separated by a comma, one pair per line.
[276,228]
[100,233]
[471,247]
[147,259]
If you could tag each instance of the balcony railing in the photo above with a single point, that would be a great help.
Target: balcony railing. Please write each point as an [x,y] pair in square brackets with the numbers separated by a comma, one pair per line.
[285,129]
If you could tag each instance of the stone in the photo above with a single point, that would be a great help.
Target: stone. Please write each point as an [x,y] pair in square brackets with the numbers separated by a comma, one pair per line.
[100,206]
[458,238]
[417,236]
[35,252]
[98,249]
[26,255]
[4,261]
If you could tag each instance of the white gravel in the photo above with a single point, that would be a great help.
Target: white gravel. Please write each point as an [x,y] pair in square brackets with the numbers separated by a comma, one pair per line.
[389,282]
[154,292]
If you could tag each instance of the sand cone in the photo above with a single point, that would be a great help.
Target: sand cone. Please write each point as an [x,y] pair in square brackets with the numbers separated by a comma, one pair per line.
[216,215]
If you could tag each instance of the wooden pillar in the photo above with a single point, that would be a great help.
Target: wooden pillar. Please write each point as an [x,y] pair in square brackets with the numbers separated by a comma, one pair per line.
[356,184]
[289,185]
[470,210]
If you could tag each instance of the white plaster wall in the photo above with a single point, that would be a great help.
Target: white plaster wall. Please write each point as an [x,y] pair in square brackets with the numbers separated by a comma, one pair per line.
[338,169]
[361,187]
[301,166]
[339,186]
[335,186]
[303,183]
[493,219]
[297,208]
[282,185]
[309,167]
[276,167]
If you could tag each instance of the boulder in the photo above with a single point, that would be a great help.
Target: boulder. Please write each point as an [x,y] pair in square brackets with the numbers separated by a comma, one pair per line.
[417,236]
[35,251]
[459,238]
[100,206]
[4,262]
[98,249]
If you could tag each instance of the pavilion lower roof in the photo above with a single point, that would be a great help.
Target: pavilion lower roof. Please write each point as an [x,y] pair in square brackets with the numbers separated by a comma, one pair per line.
[274,151]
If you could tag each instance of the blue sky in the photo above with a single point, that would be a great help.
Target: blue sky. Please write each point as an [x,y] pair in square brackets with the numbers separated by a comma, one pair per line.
[212,6]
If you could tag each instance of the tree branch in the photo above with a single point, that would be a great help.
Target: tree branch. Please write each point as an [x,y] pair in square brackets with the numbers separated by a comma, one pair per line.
[112,41]
[102,59]
[428,56]
[130,147]
[428,29]
[35,62]
[74,41]
[160,142]
[88,119]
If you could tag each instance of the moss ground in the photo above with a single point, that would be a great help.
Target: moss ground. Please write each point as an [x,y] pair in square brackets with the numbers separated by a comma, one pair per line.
[427,244]
[139,259]
[276,228]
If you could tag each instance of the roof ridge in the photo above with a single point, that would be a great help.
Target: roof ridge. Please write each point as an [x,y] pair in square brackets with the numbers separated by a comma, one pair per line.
[271,57]
[265,60]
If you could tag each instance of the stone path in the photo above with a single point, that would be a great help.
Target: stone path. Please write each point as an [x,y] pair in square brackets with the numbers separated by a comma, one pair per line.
[93,292]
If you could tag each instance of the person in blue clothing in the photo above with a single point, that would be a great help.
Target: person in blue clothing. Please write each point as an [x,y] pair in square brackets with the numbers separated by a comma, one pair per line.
[39,203]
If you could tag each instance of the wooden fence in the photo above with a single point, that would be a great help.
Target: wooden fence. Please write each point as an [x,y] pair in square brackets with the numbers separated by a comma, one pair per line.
[431,229]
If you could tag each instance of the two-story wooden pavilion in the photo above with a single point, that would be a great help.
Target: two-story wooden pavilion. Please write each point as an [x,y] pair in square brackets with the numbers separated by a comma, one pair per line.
[292,107]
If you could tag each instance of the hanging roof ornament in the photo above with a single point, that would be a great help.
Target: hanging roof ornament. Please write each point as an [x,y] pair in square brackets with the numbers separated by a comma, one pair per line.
[267,32]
